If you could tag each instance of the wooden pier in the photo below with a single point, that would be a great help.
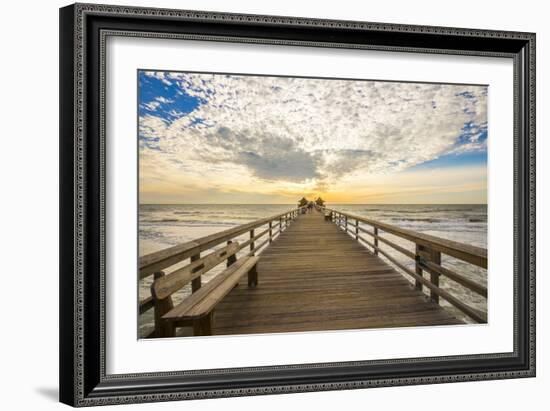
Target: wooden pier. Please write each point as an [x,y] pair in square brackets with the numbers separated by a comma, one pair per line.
[316,277]
[306,271]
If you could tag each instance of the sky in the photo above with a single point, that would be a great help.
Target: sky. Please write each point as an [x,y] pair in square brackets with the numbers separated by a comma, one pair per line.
[245,139]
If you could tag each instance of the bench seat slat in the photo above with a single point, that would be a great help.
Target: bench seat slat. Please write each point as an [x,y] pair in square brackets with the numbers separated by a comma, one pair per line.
[180,310]
[203,301]
[212,299]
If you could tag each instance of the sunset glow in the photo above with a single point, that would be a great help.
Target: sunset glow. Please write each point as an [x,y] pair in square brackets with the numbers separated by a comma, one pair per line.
[233,139]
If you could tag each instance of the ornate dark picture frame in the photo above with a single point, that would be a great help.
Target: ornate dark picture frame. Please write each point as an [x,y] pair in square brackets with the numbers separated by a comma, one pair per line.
[83,30]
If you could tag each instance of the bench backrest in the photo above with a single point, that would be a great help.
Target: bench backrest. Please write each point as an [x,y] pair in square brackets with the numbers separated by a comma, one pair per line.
[169,284]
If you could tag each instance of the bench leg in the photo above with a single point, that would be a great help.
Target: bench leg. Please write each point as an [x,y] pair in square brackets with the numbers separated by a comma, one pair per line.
[166,329]
[163,328]
[203,326]
[253,277]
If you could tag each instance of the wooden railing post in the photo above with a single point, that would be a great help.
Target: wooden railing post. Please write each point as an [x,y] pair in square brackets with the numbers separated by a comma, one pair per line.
[434,257]
[252,242]
[197,282]
[270,231]
[280,224]
[424,254]
[163,328]
[376,240]
[417,268]
[356,230]
[232,259]
[346,224]
[253,277]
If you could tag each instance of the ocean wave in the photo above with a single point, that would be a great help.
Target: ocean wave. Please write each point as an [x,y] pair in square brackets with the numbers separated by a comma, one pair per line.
[211,223]
[161,220]
[425,220]
[187,212]
[190,223]
[409,211]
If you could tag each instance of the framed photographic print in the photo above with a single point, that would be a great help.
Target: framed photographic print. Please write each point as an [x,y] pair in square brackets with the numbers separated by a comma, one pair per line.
[260,204]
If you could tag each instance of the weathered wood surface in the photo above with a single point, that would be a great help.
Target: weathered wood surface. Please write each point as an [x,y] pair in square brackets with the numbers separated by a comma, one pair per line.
[203,301]
[315,277]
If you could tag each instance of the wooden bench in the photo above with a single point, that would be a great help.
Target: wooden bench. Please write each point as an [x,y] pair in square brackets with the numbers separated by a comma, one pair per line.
[328,216]
[198,308]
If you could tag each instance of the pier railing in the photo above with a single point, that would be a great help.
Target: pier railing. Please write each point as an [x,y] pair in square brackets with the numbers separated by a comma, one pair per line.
[172,258]
[427,256]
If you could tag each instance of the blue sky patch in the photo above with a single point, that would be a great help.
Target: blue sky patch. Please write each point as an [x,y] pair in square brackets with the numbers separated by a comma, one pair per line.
[478,158]
[472,132]
[164,98]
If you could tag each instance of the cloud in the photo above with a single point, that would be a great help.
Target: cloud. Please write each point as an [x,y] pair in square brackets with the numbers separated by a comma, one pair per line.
[293,165]
[151,106]
[164,100]
[343,161]
[313,132]
[269,157]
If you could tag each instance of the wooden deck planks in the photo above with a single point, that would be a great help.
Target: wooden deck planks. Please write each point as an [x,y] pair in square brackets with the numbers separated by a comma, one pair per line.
[315,277]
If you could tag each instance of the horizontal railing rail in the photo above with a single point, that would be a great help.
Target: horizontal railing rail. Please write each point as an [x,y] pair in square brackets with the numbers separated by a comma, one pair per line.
[427,256]
[155,263]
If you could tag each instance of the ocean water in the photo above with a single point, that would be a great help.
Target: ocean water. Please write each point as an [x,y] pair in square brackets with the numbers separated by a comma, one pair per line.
[162,226]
